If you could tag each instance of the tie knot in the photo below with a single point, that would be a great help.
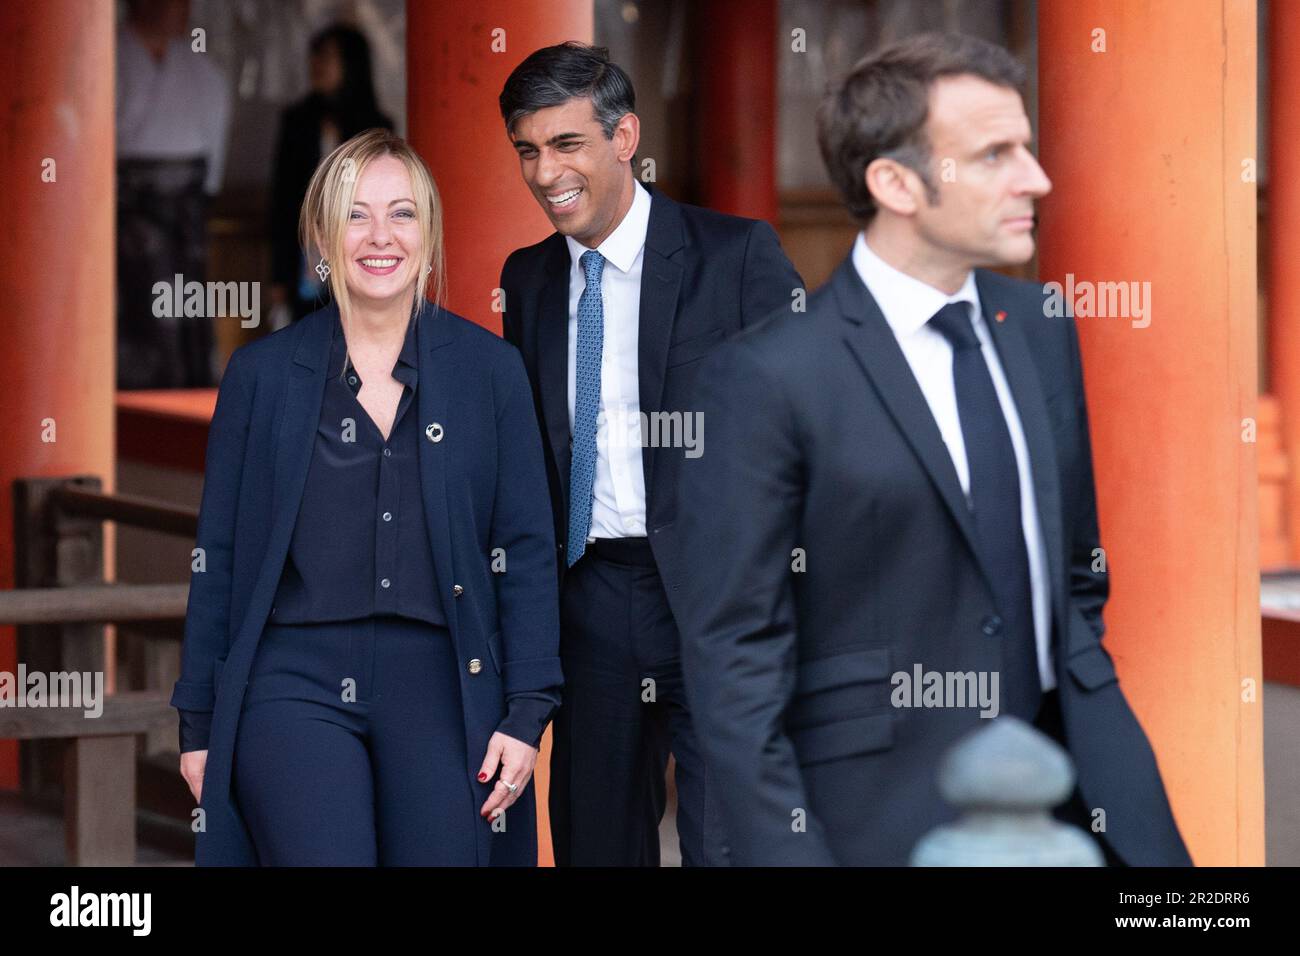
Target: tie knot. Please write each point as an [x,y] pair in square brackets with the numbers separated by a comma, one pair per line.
[592,264]
[954,324]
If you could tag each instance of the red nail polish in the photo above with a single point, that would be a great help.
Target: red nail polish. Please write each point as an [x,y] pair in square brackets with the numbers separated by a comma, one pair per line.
[482,777]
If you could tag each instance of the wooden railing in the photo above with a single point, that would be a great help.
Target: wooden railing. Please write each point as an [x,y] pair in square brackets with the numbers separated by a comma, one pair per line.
[60,606]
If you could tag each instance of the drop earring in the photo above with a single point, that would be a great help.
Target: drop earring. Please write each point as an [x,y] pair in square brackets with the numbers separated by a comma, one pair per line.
[323,269]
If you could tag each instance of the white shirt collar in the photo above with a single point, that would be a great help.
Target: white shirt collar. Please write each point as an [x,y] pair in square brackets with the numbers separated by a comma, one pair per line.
[624,244]
[906,302]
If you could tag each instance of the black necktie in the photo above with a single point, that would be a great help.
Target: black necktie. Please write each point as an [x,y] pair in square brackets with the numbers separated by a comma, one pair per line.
[995,505]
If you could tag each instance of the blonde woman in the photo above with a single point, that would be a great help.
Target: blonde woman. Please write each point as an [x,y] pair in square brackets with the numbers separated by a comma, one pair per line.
[371,642]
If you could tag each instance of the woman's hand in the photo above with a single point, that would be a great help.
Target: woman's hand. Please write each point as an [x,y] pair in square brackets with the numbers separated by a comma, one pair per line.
[517,760]
[193,763]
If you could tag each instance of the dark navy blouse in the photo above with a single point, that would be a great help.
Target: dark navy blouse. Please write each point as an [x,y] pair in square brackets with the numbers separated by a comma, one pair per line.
[360,544]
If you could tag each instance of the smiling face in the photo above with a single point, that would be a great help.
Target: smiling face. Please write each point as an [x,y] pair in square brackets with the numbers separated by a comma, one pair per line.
[382,242]
[581,180]
[985,212]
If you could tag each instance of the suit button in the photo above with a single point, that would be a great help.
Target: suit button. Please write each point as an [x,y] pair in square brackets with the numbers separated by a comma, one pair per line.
[457,590]
[475,666]
[991,625]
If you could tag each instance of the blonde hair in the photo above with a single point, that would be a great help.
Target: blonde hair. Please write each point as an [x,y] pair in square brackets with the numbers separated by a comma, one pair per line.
[323,222]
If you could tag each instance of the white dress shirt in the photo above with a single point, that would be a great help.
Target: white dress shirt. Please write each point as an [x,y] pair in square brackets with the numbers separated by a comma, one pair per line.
[176,108]
[908,305]
[618,492]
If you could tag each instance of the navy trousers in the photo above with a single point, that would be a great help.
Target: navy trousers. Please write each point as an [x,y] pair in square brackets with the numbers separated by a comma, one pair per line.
[624,711]
[351,747]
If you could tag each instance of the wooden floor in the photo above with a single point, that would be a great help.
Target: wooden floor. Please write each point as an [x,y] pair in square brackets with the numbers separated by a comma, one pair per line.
[1281,774]
[31,837]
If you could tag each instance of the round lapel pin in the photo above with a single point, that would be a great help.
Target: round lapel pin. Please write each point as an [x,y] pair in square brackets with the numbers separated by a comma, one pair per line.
[433,432]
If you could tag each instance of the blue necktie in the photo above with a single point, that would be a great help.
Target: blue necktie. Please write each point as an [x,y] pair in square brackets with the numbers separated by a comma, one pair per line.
[586,403]
[995,505]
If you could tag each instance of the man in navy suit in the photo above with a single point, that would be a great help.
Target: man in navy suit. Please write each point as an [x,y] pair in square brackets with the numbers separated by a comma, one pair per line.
[613,313]
[900,483]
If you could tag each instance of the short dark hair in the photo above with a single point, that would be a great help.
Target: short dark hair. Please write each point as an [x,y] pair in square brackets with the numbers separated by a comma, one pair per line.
[880,108]
[554,75]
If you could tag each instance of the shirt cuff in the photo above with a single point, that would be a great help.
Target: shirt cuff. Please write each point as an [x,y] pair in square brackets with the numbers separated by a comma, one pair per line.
[196,727]
[526,719]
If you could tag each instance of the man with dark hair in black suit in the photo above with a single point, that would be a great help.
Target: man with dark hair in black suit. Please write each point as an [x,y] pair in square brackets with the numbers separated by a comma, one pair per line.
[900,485]
[613,313]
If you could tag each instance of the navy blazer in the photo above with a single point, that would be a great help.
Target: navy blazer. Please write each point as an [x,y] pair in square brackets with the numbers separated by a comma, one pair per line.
[821,442]
[705,275]
[484,488]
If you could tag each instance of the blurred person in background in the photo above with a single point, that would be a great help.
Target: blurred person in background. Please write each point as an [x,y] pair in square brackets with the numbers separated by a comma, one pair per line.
[173,111]
[340,105]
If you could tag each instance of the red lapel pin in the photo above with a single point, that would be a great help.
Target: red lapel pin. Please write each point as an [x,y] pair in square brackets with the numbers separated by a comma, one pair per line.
[1000,316]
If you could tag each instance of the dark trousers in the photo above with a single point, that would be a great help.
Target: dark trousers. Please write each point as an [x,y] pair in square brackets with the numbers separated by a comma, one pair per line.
[161,232]
[382,779]
[1073,811]
[624,711]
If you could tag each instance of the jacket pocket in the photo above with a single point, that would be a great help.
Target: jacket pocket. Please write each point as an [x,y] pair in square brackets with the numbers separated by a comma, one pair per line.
[862,734]
[863,665]
[679,353]
[495,651]
[841,706]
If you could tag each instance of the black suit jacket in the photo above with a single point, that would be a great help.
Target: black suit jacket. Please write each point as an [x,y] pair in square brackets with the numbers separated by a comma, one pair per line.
[705,275]
[820,439]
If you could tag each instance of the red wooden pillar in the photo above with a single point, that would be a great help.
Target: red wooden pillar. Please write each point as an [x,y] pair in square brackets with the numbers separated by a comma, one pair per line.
[736,118]
[1284,247]
[458,56]
[456,66]
[1148,187]
[56,285]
